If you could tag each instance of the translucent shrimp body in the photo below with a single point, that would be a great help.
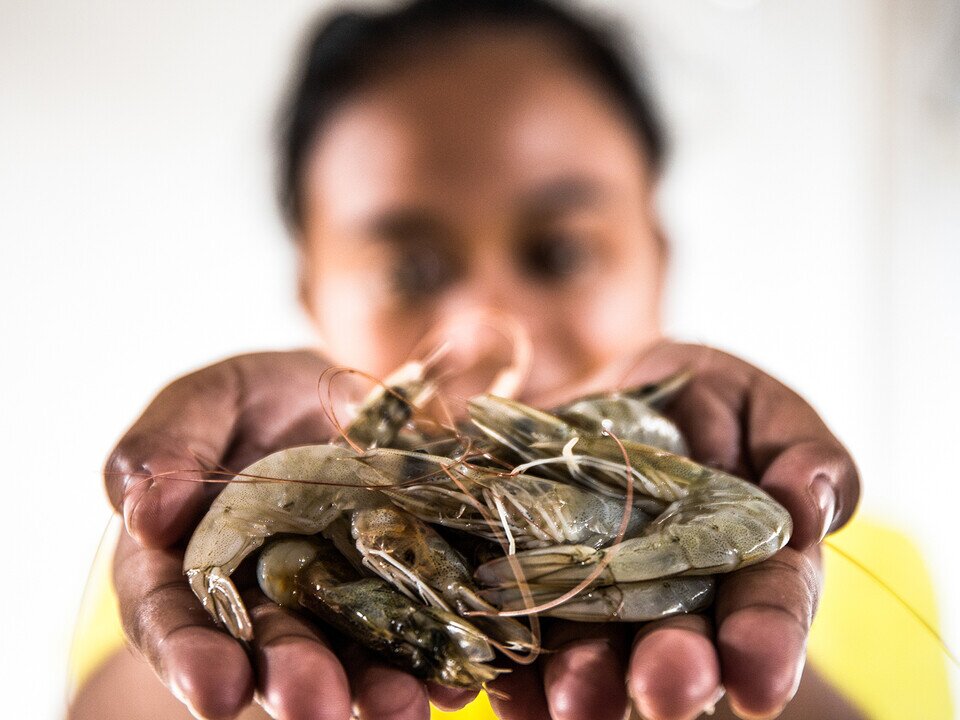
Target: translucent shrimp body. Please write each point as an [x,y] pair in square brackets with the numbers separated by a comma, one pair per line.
[631,414]
[416,560]
[623,602]
[429,642]
[715,523]
[300,490]
[325,481]
[526,510]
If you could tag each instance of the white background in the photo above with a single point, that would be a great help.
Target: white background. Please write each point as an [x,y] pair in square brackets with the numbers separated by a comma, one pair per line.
[813,203]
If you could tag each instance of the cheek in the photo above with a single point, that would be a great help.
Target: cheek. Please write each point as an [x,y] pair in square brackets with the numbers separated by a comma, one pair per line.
[344,317]
[357,331]
[620,315]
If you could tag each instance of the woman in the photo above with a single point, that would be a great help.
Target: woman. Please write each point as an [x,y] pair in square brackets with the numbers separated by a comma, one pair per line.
[444,163]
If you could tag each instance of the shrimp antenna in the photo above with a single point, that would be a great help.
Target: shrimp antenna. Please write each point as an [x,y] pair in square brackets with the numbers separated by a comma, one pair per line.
[508,380]
[505,540]
[607,557]
[327,407]
[927,625]
[331,373]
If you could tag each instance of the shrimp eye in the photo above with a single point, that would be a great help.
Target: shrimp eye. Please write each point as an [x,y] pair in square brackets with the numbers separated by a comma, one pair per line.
[553,257]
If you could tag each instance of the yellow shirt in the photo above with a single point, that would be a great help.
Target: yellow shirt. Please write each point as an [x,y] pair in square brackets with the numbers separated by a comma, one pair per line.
[863,641]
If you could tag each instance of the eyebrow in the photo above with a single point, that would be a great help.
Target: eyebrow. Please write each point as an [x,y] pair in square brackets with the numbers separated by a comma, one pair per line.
[407,225]
[562,194]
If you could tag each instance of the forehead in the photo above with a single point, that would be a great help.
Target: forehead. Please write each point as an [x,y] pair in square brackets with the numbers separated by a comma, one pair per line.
[474,119]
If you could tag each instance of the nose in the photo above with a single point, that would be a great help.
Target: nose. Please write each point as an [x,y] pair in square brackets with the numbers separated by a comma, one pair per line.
[484,321]
[487,350]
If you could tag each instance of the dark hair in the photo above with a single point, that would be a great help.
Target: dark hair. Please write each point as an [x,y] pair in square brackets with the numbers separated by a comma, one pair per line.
[346,50]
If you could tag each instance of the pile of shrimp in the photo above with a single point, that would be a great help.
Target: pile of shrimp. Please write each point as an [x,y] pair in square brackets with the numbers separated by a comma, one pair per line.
[429,543]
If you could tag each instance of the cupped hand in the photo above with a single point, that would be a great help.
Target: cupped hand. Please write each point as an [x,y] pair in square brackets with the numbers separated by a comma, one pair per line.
[228,415]
[752,643]
[734,416]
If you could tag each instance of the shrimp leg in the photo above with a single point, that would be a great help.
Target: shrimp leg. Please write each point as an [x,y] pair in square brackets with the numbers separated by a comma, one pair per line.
[429,642]
[718,524]
[246,513]
[531,511]
[325,481]
[624,602]
[416,560]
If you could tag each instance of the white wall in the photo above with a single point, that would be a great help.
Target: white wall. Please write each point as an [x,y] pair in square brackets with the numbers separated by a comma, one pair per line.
[814,204]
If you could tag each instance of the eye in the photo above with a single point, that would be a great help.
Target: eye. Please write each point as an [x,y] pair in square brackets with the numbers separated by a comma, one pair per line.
[554,256]
[418,272]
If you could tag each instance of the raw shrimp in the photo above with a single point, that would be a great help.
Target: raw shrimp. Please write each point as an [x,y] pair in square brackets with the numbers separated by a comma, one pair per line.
[530,511]
[631,414]
[325,481]
[716,523]
[624,602]
[384,413]
[429,642]
[415,559]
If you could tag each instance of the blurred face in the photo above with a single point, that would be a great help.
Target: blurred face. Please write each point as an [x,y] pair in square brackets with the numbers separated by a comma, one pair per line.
[484,185]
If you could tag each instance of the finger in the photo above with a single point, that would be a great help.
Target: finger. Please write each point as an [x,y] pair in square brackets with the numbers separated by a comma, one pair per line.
[284,405]
[801,464]
[817,482]
[710,422]
[225,415]
[299,677]
[190,419]
[674,671]
[381,691]
[449,698]
[740,419]
[203,667]
[763,616]
[583,671]
[518,695]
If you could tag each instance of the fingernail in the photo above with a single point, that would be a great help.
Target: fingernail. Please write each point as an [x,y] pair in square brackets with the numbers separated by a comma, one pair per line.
[265,705]
[639,706]
[180,695]
[711,706]
[825,499]
[744,715]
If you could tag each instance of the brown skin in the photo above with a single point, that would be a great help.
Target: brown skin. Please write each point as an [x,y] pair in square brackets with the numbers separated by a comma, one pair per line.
[499,180]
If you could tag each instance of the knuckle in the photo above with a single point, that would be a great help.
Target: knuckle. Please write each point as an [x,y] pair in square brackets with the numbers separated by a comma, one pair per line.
[150,439]
[589,698]
[158,614]
[222,379]
[675,675]
[216,681]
